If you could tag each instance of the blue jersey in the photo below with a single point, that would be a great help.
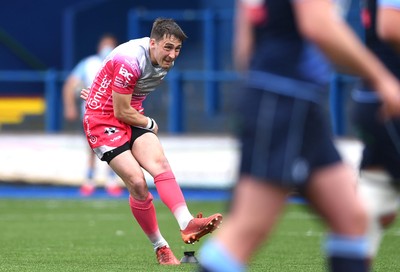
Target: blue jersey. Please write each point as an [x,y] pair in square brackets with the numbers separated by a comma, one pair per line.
[283,61]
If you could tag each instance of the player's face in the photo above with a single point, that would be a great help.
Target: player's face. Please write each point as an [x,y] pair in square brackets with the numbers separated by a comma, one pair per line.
[164,52]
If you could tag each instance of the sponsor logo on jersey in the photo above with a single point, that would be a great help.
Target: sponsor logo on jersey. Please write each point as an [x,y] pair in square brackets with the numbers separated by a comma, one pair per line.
[120,82]
[125,73]
[116,138]
[123,82]
[110,130]
[95,101]
[92,139]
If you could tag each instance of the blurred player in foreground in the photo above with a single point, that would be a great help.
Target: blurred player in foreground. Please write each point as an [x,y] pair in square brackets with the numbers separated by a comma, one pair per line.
[380,162]
[286,140]
[120,133]
[82,76]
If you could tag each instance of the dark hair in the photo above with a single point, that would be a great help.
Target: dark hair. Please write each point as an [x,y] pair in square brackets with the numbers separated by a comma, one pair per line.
[108,35]
[169,27]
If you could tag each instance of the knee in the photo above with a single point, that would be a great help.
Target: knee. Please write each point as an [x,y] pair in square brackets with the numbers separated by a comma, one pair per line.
[359,219]
[352,221]
[137,186]
[162,164]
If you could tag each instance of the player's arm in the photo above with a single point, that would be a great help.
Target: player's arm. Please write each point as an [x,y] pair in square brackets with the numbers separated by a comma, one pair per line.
[388,23]
[68,92]
[124,112]
[243,36]
[318,22]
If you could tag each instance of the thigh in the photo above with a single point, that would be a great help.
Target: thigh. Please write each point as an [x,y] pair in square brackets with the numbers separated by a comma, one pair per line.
[332,192]
[149,153]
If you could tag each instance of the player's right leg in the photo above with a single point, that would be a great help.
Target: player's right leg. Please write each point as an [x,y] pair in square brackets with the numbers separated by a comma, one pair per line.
[148,151]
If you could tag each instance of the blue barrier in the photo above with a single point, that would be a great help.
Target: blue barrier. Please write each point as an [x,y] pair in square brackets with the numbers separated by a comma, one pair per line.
[177,100]
[176,122]
[50,79]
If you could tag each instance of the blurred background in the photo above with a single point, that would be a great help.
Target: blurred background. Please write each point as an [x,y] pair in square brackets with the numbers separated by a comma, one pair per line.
[41,41]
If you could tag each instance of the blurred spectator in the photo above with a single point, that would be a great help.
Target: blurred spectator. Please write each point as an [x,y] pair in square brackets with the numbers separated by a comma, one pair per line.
[82,76]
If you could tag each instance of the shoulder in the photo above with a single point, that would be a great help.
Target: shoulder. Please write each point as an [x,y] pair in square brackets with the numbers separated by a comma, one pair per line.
[136,48]
[133,53]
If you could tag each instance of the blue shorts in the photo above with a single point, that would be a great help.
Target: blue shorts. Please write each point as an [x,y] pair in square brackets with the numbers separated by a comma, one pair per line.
[284,139]
[381,139]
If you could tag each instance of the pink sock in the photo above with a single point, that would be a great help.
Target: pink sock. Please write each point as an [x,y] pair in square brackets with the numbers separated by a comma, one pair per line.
[171,194]
[169,190]
[145,213]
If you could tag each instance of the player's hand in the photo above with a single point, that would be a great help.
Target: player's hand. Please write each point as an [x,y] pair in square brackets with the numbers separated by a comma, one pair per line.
[155,130]
[70,113]
[85,93]
[152,125]
[389,91]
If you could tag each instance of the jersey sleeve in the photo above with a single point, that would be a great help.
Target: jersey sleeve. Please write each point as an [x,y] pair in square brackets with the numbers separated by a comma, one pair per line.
[126,74]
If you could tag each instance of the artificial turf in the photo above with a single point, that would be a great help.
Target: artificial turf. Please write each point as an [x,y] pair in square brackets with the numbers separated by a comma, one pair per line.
[101,235]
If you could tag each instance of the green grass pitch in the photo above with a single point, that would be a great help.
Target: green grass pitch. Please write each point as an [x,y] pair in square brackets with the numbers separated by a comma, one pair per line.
[101,235]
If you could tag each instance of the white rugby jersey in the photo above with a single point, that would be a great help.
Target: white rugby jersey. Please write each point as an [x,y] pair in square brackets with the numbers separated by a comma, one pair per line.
[87,69]
[126,70]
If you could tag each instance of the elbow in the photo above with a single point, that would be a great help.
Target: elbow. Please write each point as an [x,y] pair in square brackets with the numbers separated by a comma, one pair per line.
[120,115]
[127,116]
[387,25]
[319,28]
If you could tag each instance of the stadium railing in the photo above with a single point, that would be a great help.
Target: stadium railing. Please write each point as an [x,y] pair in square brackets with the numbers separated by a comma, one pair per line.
[52,78]
[51,94]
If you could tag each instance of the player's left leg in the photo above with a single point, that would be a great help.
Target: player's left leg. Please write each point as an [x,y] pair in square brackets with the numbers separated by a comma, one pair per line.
[148,151]
[332,192]
[113,188]
[89,186]
[382,201]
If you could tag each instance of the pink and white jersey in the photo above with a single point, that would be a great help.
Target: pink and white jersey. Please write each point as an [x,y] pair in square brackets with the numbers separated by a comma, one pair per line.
[126,70]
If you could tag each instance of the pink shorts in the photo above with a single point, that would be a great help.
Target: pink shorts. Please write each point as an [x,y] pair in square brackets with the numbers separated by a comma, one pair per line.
[106,133]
